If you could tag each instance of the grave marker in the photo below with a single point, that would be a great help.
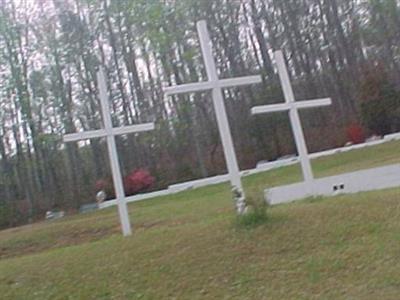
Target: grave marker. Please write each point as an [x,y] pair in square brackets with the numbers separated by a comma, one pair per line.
[293,107]
[353,182]
[109,132]
[215,85]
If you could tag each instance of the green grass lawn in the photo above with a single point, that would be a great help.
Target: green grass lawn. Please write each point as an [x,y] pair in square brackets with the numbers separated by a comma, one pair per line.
[187,246]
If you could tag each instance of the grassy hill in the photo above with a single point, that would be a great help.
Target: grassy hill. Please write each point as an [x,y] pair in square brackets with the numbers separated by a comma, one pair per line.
[187,246]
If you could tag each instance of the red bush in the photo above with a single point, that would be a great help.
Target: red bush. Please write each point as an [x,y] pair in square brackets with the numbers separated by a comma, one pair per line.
[355,134]
[137,181]
[101,185]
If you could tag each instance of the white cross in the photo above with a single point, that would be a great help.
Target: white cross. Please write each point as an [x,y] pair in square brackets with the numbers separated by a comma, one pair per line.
[215,85]
[293,107]
[110,132]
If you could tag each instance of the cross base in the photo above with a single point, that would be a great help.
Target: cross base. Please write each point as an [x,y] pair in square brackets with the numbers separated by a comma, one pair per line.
[348,183]
[240,200]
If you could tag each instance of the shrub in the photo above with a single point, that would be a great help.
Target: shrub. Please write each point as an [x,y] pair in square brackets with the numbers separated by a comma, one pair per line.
[138,181]
[355,134]
[380,101]
[107,186]
[135,182]
[256,214]
[5,214]
[376,116]
[101,184]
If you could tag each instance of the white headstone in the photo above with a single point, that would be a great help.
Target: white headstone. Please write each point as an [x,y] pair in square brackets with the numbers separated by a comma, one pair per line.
[348,183]
[109,132]
[101,196]
[215,85]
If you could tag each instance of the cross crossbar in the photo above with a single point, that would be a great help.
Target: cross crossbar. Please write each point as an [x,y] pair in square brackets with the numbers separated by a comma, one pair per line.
[110,132]
[73,137]
[293,105]
[215,85]
[208,85]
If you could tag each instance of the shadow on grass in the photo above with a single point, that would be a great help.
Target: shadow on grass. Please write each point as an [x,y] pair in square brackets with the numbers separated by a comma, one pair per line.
[253,220]
[313,199]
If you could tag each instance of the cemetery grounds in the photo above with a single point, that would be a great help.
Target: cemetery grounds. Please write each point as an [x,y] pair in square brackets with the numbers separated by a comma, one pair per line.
[189,245]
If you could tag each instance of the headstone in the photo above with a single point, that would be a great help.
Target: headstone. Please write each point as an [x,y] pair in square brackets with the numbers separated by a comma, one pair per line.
[101,196]
[353,182]
[287,157]
[373,138]
[348,144]
[85,208]
[54,215]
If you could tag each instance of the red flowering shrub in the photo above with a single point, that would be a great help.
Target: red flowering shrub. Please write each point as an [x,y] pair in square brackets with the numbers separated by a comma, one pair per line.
[101,184]
[137,181]
[105,185]
[355,134]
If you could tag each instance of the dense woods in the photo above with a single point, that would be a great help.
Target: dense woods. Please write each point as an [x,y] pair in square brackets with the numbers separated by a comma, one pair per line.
[50,51]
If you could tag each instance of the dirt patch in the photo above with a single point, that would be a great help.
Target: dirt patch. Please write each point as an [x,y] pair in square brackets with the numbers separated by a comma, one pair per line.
[15,248]
[39,241]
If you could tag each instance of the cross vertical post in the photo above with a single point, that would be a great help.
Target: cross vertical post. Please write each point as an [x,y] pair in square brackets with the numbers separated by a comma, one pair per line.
[215,85]
[109,132]
[218,101]
[113,156]
[293,107]
[294,118]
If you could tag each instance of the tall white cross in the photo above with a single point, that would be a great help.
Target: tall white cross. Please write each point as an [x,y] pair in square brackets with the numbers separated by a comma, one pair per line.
[215,85]
[293,107]
[109,132]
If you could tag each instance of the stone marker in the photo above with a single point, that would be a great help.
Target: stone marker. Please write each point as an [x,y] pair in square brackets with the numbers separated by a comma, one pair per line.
[353,182]
[85,208]
[54,215]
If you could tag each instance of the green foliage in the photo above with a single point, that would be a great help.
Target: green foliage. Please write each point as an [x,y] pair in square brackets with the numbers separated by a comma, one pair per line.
[256,214]
[380,102]
[376,117]
[5,214]
[267,127]
[49,141]
[383,21]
